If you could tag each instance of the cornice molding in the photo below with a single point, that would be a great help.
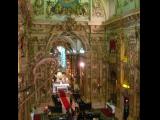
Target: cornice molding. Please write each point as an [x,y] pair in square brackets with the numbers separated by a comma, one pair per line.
[129,17]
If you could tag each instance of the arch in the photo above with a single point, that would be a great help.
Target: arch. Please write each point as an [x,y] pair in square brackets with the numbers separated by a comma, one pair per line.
[45,61]
[67,39]
[56,41]
[82,38]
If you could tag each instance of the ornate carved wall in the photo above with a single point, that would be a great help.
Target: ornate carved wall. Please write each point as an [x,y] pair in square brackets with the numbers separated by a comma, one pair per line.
[24,22]
[124,61]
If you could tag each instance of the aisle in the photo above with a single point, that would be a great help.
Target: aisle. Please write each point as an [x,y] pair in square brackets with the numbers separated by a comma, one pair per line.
[64,100]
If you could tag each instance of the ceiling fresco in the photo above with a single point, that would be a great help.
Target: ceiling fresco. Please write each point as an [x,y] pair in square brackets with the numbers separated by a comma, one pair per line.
[59,9]
[55,11]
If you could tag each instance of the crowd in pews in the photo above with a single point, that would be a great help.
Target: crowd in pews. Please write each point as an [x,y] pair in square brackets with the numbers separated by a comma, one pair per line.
[79,110]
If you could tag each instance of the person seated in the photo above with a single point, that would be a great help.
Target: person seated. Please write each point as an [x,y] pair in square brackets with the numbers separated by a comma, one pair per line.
[111,108]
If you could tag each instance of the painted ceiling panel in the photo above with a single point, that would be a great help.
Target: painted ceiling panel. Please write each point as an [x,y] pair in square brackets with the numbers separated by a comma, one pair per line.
[55,11]
[59,9]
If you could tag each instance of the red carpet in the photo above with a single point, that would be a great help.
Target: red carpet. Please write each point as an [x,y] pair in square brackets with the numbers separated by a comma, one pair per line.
[106,112]
[64,99]
[37,117]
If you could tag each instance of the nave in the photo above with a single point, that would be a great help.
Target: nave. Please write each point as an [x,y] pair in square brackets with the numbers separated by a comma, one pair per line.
[85,48]
[67,104]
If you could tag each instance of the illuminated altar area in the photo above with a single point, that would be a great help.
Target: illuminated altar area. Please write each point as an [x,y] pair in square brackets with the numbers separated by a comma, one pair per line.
[61,83]
[60,80]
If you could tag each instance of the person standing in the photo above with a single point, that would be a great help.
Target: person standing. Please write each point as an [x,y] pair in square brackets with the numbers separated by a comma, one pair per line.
[126,112]
[33,112]
[126,108]
[73,106]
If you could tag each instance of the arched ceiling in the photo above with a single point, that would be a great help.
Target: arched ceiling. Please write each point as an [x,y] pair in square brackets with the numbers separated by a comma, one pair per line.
[67,40]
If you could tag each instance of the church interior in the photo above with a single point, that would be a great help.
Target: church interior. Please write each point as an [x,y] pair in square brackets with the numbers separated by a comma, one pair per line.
[78,59]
